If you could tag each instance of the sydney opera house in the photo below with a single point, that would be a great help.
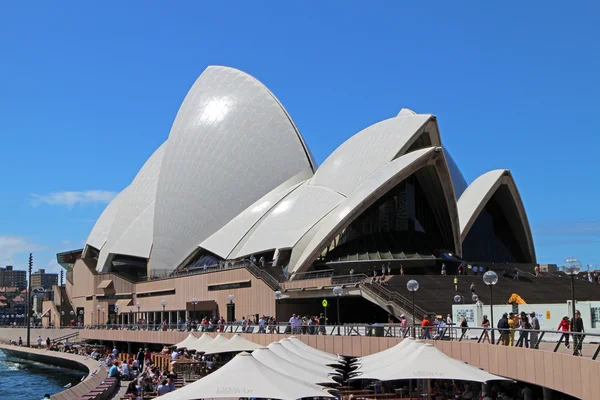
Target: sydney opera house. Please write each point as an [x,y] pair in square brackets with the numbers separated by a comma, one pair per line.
[235,180]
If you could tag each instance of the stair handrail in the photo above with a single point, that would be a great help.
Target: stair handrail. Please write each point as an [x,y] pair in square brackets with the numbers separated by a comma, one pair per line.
[263,275]
[68,336]
[401,301]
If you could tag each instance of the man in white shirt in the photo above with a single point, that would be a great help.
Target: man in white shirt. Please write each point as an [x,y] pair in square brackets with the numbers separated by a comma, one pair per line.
[39,340]
[175,356]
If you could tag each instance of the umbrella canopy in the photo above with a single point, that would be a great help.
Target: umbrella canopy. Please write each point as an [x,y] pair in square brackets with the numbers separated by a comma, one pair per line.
[188,342]
[288,344]
[288,368]
[299,343]
[284,353]
[203,343]
[234,345]
[427,362]
[389,356]
[245,376]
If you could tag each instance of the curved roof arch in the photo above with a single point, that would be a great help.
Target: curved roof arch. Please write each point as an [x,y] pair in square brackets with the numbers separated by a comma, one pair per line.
[224,241]
[479,193]
[99,233]
[231,143]
[370,149]
[379,183]
[138,200]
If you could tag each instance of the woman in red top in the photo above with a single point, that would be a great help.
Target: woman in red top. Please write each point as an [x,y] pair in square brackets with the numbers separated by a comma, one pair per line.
[564,326]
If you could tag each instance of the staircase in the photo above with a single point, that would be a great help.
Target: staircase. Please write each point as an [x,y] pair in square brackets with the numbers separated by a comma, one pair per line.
[263,275]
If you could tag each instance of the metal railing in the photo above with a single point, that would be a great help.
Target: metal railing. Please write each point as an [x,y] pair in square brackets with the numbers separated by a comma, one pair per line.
[302,276]
[510,337]
[402,302]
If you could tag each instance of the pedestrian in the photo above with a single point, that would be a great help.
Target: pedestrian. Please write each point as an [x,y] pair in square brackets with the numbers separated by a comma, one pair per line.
[485,324]
[464,326]
[401,270]
[503,327]
[443,269]
[456,283]
[516,276]
[564,327]
[535,325]
[389,269]
[577,326]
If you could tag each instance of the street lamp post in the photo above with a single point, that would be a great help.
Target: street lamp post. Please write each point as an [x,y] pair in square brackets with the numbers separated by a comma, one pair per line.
[98,308]
[62,318]
[338,292]
[137,317]
[572,267]
[194,302]
[163,303]
[117,314]
[412,287]
[131,314]
[104,321]
[490,278]
[82,318]
[277,298]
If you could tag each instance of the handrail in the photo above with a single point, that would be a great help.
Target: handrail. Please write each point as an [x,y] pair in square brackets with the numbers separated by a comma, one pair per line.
[395,297]
[301,276]
[263,275]
[430,332]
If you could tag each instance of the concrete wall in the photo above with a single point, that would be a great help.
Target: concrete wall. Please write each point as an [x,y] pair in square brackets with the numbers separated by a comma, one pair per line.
[8,334]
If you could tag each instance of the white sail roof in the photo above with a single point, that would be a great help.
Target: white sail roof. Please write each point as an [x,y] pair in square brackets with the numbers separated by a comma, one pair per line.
[245,376]
[236,344]
[271,360]
[427,362]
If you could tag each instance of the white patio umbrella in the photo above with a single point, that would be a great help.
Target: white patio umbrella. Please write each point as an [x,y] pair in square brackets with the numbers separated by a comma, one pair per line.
[288,368]
[307,355]
[188,342]
[388,357]
[299,343]
[427,362]
[234,345]
[284,353]
[385,353]
[203,343]
[245,376]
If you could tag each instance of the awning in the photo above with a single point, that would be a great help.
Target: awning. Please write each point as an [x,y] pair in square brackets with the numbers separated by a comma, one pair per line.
[105,284]
[123,304]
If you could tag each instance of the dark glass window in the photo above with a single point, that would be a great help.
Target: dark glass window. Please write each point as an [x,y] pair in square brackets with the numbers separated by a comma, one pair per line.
[491,238]
[399,225]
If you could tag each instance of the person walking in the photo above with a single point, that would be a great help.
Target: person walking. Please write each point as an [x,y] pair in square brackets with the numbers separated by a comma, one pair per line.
[485,324]
[456,283]
[464,326]
[564,327]
[577,326]
[535,325]
[503,327]
[512,324]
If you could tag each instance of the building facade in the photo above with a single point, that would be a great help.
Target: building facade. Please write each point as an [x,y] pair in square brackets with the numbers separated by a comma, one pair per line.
[43,279]
[10,277]
[235,181]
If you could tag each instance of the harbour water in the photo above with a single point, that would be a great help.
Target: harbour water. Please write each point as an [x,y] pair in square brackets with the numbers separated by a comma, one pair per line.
[27,380]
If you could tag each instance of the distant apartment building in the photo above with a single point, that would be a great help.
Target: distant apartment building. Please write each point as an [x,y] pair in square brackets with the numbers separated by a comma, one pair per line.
[13,278]
[42,279]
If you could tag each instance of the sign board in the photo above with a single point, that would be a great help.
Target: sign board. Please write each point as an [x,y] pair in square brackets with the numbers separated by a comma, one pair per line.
[324,302]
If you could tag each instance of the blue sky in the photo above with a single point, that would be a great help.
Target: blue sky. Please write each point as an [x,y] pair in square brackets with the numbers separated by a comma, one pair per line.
[89,91]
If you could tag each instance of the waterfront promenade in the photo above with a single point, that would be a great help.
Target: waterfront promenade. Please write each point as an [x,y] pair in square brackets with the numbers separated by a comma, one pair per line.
[95,374]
